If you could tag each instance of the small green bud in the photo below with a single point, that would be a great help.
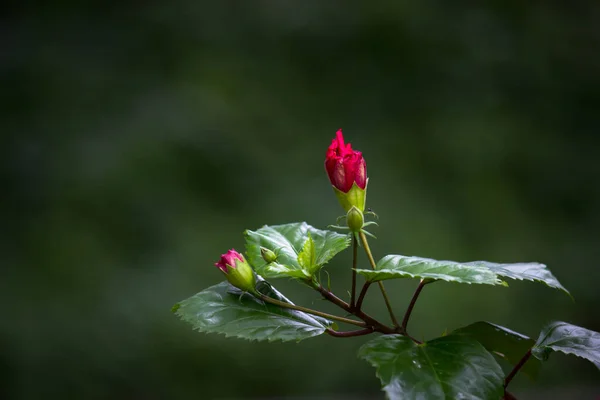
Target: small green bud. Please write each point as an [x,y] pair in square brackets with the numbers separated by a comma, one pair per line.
[355,219]
[237,271]
[268,255]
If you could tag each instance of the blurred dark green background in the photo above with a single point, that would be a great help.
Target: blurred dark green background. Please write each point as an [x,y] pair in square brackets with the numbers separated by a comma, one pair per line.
[139,140]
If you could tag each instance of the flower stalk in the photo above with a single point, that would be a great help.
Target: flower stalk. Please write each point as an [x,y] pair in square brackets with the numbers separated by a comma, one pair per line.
[354,265]
[365,244]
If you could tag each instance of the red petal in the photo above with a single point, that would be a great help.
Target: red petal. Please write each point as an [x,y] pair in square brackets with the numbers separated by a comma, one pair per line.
[361,172]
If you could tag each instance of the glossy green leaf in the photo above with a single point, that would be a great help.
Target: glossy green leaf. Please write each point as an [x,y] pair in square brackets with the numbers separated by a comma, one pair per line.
[449,367]
[307,258]
[568,339]
[224,309]
[523,271]
[276,270]
[288,242]
[504,343]
[397,266]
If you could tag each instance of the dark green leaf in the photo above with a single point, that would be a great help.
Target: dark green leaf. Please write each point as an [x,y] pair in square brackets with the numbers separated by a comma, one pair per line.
[224,309]
[504,343]
[450,367]
[397,266]
[569,339]
[523,271]
[288,241]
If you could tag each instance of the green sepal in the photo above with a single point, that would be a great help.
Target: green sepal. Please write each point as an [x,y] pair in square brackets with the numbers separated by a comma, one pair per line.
[242,276]
[355,197]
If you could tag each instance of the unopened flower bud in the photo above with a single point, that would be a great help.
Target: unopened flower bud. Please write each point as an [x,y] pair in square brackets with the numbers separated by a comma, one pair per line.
[347,171]
[355,219]
[237,271]
[268,255]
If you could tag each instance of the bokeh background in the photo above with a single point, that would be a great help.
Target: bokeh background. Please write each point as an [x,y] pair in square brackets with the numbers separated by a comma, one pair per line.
[140,139]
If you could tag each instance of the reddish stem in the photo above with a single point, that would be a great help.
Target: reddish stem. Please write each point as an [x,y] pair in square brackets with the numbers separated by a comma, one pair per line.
[361,297]
[412,305]
[517,367]
[359,332]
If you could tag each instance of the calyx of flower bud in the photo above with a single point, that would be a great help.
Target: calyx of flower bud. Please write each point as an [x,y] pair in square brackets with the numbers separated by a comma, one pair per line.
[237,271]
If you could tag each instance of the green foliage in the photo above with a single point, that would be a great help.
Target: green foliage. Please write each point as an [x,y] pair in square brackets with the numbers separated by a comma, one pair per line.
[568,339]
[301,249]
[397,266]
[480,272]
[458,366]
[503,343]
[225,309]
[523,271]
[450,367]
[307,257]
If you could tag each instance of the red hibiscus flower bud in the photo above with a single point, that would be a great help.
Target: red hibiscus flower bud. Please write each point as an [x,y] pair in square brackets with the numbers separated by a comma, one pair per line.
[347,171]
[237,271]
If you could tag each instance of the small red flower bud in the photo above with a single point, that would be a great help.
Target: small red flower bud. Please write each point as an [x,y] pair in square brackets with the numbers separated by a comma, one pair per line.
[228,259]
[347,171]
[237,271]
[344,165]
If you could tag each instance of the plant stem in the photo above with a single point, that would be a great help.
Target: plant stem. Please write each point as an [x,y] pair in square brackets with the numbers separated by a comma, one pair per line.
[412,305]
[359,332]
[365,243]
[517,367]
[332,298]
[508,396]
[310,311]
[354,262]
[370,321]
[361,297]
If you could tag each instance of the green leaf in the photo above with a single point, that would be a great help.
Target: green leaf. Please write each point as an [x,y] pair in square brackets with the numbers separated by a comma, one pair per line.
[449,367]
[523,271]
[307,257]
[503,343]
[278,270]
[288,242]
[397,266]
[569,339]
[225,309]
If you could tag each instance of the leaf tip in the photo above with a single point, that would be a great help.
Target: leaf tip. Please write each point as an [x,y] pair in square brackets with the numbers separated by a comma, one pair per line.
[175,307]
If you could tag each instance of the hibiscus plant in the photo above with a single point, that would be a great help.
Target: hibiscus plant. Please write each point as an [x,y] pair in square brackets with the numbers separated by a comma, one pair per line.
[459,364]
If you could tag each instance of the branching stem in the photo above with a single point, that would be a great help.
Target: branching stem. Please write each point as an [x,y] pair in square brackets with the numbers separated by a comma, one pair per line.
[370,321]
[412,304]
[365,244]
[361,297]
[359,332]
